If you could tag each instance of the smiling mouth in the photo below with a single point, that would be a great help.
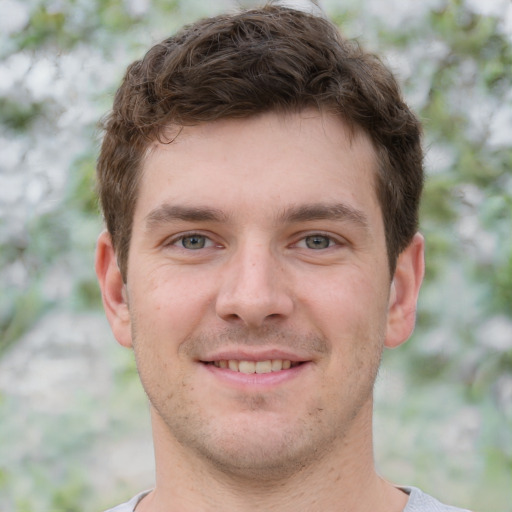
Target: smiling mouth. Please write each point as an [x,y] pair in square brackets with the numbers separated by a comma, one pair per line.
[268,366]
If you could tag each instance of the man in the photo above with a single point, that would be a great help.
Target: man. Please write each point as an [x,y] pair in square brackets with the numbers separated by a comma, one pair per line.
[260,179]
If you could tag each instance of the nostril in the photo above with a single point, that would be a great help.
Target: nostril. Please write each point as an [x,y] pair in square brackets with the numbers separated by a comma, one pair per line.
[231,316]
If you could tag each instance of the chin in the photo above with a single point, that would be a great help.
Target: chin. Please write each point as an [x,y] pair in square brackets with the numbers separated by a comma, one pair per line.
[263,447]
[281,458]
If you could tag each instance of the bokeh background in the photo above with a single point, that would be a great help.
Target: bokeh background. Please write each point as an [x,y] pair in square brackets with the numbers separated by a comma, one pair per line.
[74,428]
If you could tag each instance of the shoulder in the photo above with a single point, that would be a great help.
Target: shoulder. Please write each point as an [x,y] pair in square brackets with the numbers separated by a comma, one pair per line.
[129,506]
[421,502]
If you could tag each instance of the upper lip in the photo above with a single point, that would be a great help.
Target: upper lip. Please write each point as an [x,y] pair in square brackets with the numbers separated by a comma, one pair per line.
[241,354]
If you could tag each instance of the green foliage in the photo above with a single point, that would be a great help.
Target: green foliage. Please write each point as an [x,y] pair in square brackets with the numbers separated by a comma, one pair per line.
[82,195]
[69,497]
[88,295]
[19,116]
[74,23]
[25,309]
[44,27]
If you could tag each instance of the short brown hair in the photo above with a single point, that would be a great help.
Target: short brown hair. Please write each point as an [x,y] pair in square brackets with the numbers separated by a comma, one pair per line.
[235,66]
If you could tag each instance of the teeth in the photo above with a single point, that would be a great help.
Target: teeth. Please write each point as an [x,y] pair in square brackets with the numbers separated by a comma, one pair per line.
[274,365]
[247,366]
[263,366]
[277,365]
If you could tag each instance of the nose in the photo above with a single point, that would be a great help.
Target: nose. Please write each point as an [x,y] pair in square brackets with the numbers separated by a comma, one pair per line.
[254,290]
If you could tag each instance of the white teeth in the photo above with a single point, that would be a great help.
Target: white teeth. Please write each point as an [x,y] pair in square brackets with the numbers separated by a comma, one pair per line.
[247,366]
[277,364]
[263,366]
[270,365]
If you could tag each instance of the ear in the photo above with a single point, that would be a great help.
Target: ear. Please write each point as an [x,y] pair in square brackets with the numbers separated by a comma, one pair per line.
[405,287]
[113,290]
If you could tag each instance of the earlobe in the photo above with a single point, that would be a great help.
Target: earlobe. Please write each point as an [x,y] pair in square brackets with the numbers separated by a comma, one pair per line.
[113,290]
[404,292]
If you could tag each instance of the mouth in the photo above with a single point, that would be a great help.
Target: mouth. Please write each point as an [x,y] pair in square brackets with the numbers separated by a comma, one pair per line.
[249,367]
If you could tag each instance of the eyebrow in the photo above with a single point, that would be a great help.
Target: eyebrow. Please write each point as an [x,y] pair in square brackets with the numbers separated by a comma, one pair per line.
[169,213]
[166,213]
[320,211]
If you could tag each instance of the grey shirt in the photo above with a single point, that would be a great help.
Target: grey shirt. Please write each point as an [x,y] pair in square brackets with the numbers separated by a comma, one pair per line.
[418,502]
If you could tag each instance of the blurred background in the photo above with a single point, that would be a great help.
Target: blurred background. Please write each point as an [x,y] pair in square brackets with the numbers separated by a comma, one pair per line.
[74,427]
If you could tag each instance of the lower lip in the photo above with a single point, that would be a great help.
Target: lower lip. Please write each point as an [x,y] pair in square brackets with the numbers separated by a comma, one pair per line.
[256,380]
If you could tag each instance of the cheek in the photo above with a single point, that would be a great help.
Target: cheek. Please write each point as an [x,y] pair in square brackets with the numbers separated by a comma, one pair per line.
[347,300]
[168,305]
[351,314]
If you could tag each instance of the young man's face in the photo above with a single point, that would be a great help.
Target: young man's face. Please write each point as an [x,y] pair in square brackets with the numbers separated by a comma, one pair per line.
[258,296]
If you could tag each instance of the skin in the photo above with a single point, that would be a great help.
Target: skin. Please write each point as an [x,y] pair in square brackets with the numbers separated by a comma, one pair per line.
[257,239]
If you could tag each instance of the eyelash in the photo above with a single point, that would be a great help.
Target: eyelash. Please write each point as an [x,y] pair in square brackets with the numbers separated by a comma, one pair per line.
[176,240]
[330,239]
[208,242]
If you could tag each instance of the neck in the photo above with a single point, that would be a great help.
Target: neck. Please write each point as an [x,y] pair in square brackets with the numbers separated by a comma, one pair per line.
[344,479]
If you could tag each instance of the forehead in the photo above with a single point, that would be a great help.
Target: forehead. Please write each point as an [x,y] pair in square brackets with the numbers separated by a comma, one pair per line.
[270,161]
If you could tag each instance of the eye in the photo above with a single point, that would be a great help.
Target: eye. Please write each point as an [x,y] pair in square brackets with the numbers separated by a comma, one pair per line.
[316,242]
[194,242]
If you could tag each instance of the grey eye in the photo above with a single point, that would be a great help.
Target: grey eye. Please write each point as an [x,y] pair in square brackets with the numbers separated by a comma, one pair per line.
[317,242]
[193,242]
